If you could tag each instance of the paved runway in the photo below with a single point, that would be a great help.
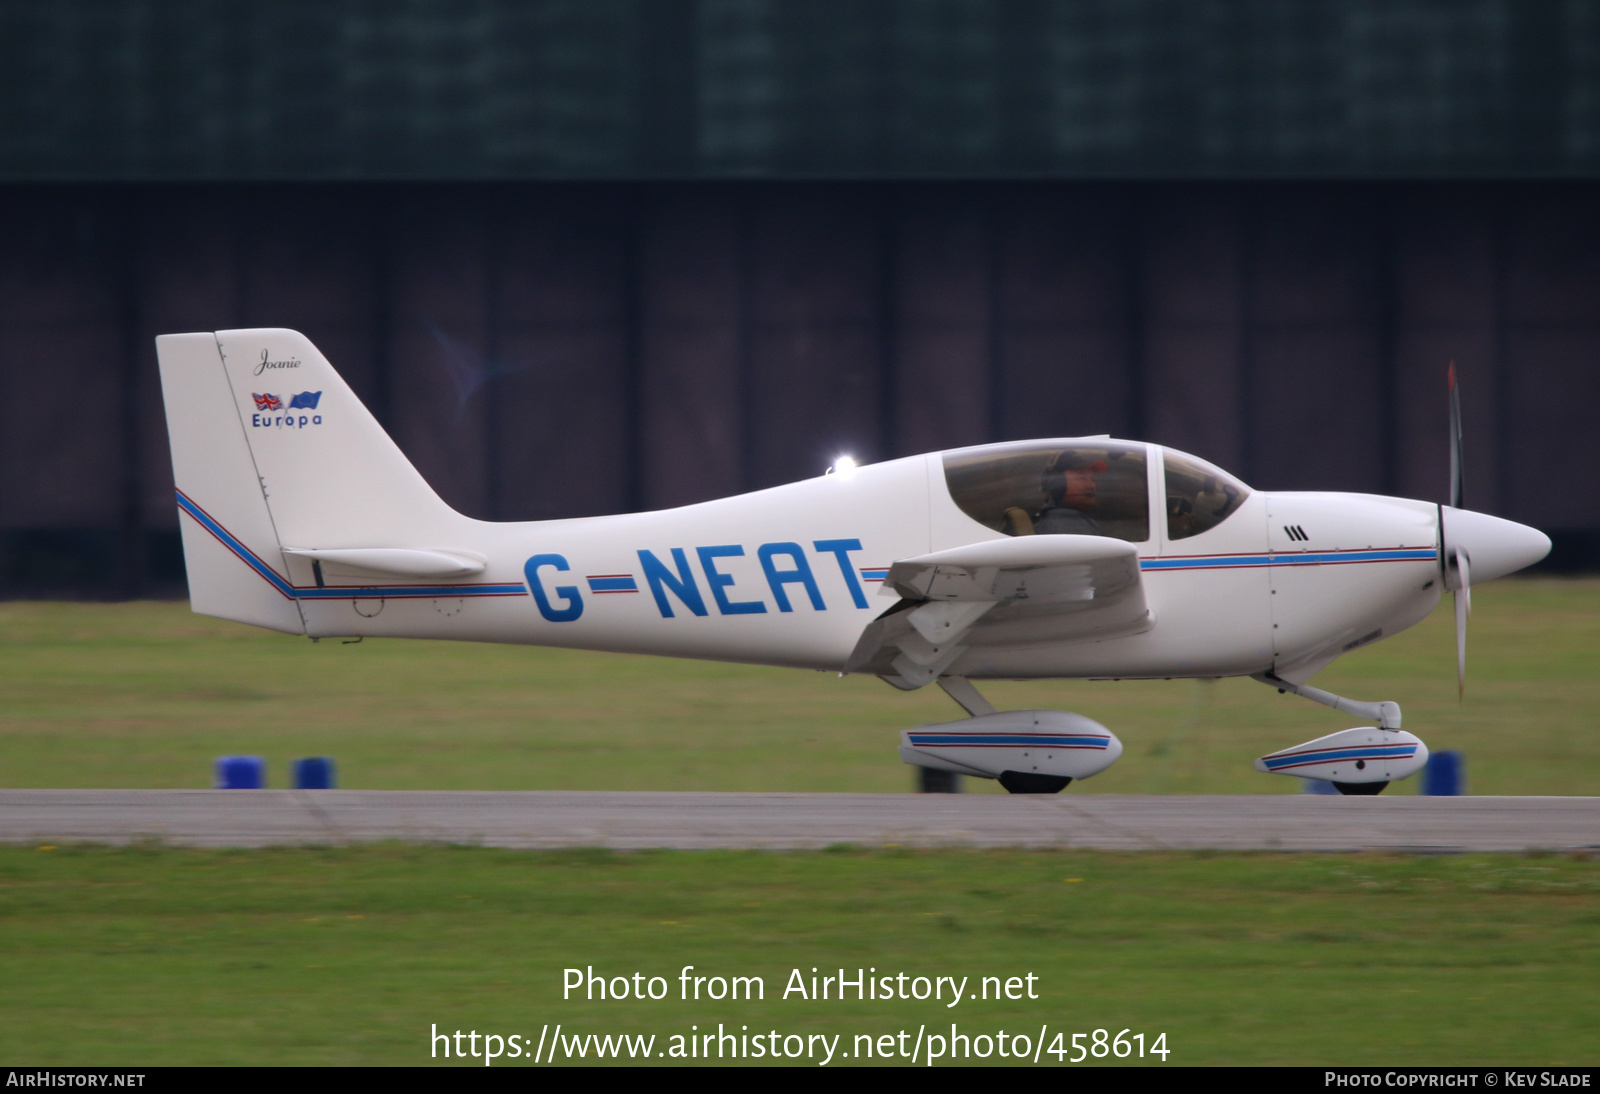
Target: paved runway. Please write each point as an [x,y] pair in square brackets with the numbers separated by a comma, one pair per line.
[545,819]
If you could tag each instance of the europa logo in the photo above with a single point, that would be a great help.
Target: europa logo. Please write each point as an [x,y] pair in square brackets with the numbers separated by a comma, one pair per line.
[267,404]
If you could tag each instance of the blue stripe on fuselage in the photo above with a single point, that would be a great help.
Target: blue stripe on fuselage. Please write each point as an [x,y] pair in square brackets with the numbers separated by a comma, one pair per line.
[336,592]
[1316,558]
[613,585]
[1376,752]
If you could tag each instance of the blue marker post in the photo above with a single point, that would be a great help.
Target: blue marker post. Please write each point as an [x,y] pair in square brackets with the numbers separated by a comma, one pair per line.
[241,773]
[1445,775]
[315,773]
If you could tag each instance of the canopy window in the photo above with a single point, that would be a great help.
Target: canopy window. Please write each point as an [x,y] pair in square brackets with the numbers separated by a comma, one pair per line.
[1199,496]
[1085,488]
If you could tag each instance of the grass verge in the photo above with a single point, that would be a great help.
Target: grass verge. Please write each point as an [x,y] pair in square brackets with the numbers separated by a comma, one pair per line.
[153,955]
[147,695]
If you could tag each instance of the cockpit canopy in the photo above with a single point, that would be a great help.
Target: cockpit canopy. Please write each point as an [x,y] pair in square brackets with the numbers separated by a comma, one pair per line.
[1090,487]
[1087,488]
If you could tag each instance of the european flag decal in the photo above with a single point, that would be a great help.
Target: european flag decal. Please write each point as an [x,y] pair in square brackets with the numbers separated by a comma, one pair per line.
[306,400]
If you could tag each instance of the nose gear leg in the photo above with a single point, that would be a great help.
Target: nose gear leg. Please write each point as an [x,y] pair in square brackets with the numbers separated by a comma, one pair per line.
[1360,761]
[1386,714]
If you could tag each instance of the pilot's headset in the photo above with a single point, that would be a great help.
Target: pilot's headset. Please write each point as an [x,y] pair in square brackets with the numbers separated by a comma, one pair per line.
[1053,479]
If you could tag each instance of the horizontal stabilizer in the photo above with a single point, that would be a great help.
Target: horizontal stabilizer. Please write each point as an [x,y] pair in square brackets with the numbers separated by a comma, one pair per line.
[397,561]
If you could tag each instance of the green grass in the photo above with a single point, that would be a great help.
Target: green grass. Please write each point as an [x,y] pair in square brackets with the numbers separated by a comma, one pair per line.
[341,956]
[147,695]
[152,955]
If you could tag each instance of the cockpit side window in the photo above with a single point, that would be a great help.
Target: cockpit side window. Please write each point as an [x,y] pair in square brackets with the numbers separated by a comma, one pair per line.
[1199,496]
[1086,488]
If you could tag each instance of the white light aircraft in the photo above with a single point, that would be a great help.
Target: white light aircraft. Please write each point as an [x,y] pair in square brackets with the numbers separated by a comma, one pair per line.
[1081,557]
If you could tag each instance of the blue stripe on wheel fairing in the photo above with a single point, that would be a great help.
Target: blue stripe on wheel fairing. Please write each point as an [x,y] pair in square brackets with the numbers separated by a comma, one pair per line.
[1330,755]
[1007,740]
[335,592]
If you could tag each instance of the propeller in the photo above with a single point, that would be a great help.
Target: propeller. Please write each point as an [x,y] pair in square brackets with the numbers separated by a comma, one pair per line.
[1463,595]
[1456,499]
[1458,571]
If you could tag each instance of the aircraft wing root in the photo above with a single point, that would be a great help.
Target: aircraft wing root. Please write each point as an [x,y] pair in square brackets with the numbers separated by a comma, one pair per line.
[1012,591]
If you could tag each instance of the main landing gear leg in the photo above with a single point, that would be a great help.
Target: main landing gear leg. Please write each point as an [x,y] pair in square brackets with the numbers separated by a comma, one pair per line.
[972,701]
[961,690]
[931,780]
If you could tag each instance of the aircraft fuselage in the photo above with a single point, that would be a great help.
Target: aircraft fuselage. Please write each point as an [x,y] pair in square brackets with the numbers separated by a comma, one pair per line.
[790,576]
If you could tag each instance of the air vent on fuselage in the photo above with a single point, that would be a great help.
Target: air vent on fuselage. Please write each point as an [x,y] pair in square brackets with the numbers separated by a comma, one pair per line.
[1296,533]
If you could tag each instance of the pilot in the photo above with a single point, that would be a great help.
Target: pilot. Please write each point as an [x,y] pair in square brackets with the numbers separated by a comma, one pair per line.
[1070,482]
[1180,517]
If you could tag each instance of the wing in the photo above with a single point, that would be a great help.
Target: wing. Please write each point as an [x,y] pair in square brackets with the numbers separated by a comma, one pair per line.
[1016,591]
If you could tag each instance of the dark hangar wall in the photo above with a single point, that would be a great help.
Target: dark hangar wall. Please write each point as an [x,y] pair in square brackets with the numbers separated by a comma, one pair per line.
[545,350]
[591,255]
[518,89]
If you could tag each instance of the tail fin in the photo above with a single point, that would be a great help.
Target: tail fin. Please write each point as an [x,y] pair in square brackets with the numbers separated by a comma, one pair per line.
[275,458]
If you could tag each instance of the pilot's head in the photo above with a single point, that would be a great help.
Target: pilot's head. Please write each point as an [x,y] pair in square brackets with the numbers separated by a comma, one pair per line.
[1070,479]
[1180,516]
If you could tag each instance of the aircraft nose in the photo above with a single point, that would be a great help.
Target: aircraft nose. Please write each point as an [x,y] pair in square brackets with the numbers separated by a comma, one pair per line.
[1494,546]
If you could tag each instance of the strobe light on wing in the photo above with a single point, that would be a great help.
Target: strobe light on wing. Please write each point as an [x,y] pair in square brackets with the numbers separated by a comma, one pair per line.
[1028,751]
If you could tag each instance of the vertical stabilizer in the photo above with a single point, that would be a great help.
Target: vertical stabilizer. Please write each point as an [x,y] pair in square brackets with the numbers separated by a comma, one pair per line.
[230,548]
[333,478]
[275,459]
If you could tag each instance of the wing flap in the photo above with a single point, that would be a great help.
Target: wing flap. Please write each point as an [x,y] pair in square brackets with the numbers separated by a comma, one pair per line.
[1016,591]
[1048,569]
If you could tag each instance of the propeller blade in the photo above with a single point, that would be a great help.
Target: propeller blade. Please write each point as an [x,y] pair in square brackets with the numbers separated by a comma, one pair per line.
[1463,597]
[1458,576]
[1456,491]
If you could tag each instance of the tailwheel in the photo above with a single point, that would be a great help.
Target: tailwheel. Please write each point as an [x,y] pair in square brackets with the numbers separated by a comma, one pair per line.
[1360,788]
[1030,782]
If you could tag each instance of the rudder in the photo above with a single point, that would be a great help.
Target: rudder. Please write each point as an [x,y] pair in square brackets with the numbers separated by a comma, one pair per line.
[223,515]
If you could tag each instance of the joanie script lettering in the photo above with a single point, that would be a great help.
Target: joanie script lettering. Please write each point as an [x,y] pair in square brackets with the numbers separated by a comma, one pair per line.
[266,364]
